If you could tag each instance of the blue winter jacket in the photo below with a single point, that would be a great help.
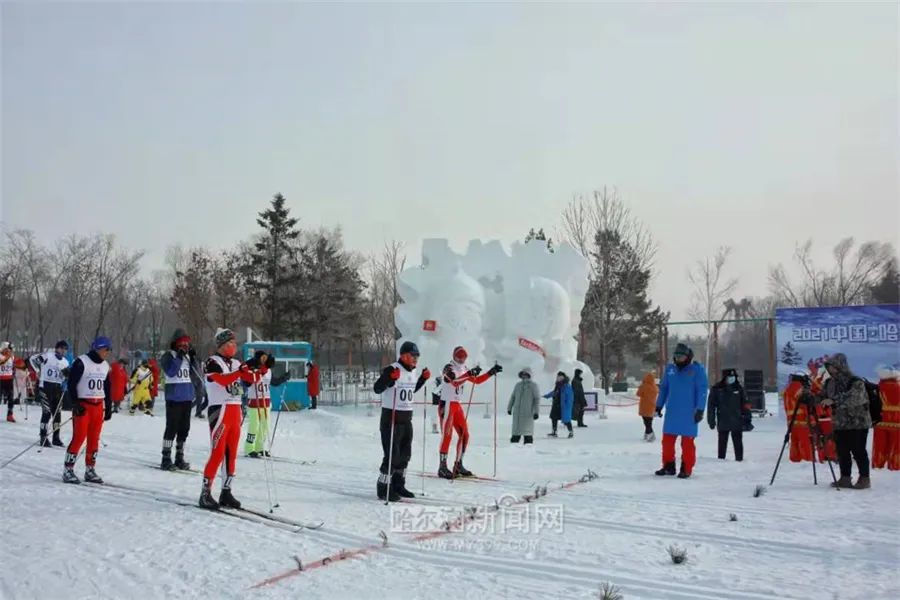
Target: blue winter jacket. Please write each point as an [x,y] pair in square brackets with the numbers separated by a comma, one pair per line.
[177,392]
[566,401]
[682,392]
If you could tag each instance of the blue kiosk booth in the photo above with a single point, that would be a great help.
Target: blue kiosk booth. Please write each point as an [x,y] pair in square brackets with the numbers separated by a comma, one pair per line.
[293,357]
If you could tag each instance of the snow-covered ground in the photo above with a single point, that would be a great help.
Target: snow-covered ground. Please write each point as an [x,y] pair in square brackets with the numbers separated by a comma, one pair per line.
[796,541]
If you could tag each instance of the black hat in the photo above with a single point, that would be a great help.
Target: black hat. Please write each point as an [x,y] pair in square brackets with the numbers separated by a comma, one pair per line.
[62,344]
[682,349]
[409,348]
[727,372]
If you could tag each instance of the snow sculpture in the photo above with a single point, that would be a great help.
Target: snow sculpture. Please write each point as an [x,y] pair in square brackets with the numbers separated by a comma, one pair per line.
[520,310]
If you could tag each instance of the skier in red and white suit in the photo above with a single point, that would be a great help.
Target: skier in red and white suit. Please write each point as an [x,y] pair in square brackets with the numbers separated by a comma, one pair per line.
[453,417]
[224,374]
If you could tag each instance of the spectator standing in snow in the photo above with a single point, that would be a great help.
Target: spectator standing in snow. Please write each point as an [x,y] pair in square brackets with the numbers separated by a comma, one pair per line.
[563,399]
[313,384]
[647,393]
[179,365]
[682,393]
[728,410]
[580,401]
[846,394]
[7,374]
[118,382]
[524,406]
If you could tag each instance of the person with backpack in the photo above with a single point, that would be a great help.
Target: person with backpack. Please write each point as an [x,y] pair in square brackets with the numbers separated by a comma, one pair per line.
[846,394]
[728,411]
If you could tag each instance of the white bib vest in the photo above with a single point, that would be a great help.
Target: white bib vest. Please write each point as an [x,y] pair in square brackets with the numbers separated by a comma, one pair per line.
[220,394]
[184,371]
[52,367]
[90,386]
[404,389]
[261,389]
[7,368]
[453,392]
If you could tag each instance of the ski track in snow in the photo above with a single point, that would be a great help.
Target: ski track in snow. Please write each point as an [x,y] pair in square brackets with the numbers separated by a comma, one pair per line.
[92,541]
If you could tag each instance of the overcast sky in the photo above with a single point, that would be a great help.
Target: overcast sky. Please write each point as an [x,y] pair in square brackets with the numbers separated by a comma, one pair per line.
[752,125]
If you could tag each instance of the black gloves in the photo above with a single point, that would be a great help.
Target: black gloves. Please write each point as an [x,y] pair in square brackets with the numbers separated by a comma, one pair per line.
[658,411]
[712,424]
[535,417]
[181,353]
[78,409]
[193,354]
[270,362]
[65,372]
[107,414]
[509,412]
[698,416]
[474,372]
[495,369]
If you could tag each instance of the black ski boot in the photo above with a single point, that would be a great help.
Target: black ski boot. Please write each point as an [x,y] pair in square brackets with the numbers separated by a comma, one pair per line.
[181,464]
[460,471]
[90,475]
[668,469]
[167,464]
[682,474]
[398,484]
[254,454]
[528,440]
[69,476]
[57,441]
[227,500]
[206,500]
[384,489]
[443,471]
[45,443]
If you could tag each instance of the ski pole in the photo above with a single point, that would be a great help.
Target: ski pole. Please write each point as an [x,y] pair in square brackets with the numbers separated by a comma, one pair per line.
[269,462]
[390,463]
[52,420]
[424,422]
[265,461]
[495,423]
[30,446]
[280,409]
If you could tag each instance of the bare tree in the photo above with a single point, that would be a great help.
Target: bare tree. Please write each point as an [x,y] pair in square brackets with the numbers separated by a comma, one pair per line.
[192,289]
[114,270]
[604,210]
[42,276]
[711,289]
[382,272]
[620,252]
[847,282]
[78,281]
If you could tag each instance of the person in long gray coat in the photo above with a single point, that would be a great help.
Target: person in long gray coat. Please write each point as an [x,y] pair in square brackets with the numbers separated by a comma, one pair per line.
[524,406]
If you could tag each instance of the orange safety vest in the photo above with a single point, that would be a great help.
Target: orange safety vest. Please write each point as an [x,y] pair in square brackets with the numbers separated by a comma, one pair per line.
[886,446]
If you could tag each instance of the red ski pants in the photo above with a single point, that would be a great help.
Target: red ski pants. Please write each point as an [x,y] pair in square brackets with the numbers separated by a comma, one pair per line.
[225,438]
[454,420]
[688,451]
[86,426]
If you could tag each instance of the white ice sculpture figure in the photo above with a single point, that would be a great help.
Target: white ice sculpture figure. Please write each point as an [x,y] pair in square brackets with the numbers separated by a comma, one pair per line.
[519,310]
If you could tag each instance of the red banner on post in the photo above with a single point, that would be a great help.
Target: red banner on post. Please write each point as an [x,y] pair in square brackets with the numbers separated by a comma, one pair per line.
[429,325]
[529,345]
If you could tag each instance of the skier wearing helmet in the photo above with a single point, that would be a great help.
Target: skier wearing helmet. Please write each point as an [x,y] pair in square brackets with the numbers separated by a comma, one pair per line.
[455,377]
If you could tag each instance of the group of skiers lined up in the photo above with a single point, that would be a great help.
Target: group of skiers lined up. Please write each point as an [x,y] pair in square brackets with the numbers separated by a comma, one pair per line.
[224,381]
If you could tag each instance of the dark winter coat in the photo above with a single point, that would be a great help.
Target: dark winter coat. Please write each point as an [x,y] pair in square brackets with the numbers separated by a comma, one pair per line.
[851,402]
[563,399]
[727,408]
[578,390]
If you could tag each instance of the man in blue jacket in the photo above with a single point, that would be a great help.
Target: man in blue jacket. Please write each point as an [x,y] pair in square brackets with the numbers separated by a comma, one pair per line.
[180,366]
[683,394]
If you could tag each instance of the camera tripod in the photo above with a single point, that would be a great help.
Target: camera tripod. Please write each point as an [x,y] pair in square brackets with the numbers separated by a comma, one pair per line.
[816,439]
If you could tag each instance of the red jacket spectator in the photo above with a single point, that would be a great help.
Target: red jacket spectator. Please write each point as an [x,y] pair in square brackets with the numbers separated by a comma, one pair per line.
[154,387]
[312,380]
[118,380]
